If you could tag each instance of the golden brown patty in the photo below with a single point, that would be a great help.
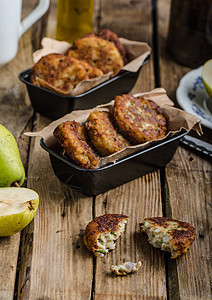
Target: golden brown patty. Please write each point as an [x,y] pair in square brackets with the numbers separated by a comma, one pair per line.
[101,233]
[139,120]
[59,71]
[106,34]
[169,234]
[91,71]
[99,53]
[102,133]
[72,137]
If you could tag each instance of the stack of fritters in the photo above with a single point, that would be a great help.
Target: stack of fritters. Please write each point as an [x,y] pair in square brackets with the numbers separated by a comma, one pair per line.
[139,120]
[61,73]
[135,120]
[90,57]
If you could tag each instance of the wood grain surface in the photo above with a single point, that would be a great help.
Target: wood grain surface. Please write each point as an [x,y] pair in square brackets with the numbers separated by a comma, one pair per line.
[188,190]
[48,259]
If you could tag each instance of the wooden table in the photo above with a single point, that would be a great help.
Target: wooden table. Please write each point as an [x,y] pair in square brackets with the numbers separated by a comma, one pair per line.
[48,259]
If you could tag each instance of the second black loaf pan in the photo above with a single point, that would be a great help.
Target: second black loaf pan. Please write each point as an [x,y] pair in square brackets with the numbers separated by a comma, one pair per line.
[54,105]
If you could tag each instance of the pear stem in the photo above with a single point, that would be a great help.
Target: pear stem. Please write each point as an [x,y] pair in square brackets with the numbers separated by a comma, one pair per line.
[15,184]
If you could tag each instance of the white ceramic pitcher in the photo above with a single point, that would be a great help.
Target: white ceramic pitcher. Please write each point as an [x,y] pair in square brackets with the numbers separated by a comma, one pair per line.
[11,27]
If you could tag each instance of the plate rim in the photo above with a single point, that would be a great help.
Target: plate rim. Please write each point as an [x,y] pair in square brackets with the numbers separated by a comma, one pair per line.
[181,100]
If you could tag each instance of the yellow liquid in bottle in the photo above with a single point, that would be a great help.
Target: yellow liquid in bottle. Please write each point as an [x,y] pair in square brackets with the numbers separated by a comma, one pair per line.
[74,19]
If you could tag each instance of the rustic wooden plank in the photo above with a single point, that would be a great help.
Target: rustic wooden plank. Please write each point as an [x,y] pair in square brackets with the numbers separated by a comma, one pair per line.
[54,260]
[9,247]
[140,198]
[189,184]
[60,262]
[188,191]
[15,113]
[127,18]
[13,94]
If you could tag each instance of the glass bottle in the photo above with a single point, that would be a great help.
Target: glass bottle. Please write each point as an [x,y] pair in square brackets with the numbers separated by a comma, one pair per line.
[74,19]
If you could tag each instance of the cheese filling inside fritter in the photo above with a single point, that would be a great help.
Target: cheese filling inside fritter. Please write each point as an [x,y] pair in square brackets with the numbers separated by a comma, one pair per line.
[126,268]
[106,241]
[160,237]
[102,232]
[169,235]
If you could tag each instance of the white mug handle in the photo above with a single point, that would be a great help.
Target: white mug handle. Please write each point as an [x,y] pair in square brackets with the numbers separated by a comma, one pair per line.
[38,12]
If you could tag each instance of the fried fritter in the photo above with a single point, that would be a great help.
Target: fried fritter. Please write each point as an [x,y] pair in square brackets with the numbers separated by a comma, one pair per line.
[59,71]
[169,234]
[99,53]
[101,233]
[139,120]
[106,34]
[91,71]
[103,134]
[125,269]
[73,138]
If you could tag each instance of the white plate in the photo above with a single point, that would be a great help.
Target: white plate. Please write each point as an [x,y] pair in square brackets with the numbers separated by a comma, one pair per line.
[193,98]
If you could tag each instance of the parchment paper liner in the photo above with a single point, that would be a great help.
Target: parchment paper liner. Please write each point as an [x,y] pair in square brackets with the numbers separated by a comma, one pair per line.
[137,52]
[177,120]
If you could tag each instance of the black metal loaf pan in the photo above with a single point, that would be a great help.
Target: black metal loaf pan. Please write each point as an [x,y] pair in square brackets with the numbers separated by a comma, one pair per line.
[53,105]
[96,181]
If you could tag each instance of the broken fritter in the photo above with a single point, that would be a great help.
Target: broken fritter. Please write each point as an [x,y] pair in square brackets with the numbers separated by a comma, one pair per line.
[126,268]
[101,233]
[98,52]
[103,134]
[73,138]
[107,34]
[169,234]
[139,120]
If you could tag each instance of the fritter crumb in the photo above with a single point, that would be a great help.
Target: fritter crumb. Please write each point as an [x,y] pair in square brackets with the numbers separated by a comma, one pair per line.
[126,268]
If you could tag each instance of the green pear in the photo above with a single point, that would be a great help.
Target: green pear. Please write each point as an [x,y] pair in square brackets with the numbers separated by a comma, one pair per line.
[17,209]
[207,76]
[11,167]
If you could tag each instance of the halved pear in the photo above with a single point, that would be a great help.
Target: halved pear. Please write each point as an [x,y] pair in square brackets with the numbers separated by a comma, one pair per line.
[17,209]
[207,76]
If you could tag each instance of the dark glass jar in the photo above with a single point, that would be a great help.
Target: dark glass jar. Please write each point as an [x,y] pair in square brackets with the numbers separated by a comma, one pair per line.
[189,39]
